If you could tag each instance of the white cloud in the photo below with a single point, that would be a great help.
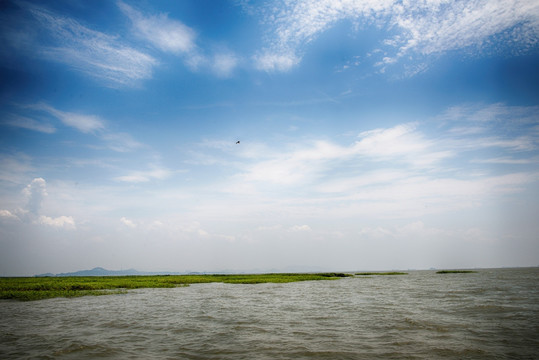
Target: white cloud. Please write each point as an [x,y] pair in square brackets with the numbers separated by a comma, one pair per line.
[275,61]
[127,222]
[109,58]
[446,26]
[91,52]
[402,144]
[172,36]
[301,228]
[66,222]
[35,193]
[223,64]
[31,212]
[165,34]
[296,166]
[423,28]
[8,215]
[401,141]
[399,172]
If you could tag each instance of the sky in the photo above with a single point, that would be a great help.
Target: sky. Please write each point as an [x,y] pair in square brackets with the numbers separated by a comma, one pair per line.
[374,134]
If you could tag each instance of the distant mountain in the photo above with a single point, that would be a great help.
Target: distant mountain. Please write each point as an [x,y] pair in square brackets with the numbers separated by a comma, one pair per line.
[45,275]
[99,271]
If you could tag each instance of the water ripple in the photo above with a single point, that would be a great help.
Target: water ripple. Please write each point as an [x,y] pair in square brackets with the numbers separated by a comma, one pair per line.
[489,314]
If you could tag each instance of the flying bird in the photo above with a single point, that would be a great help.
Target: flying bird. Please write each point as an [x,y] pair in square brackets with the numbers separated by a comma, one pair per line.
[237,142]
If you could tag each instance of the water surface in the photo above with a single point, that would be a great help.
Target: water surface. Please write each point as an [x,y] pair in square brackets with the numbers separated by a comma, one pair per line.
[423,315]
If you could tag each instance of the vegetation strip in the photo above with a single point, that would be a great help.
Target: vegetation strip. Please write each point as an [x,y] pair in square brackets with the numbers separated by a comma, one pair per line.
[455,271]
[382,273]
[37,288]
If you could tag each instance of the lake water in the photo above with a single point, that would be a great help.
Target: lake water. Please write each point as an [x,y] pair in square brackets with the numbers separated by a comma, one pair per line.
[486,315]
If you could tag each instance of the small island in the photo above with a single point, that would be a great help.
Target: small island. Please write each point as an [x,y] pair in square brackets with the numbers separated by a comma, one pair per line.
[455,272]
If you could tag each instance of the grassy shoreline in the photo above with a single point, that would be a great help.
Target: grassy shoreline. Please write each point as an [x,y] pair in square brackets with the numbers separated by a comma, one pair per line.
[38,288]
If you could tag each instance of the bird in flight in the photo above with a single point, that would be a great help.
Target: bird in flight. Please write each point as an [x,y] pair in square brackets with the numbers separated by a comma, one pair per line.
[237,142]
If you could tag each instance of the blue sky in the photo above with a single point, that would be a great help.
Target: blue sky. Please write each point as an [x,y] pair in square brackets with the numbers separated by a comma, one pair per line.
[373,135]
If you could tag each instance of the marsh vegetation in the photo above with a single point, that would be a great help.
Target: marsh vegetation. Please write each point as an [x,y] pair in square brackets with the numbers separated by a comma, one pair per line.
[455,272]
[37,288]
[381,273]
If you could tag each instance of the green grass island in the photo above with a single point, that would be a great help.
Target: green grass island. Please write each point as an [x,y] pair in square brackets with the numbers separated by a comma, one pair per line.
[381,273]
[455,272]
[38,288]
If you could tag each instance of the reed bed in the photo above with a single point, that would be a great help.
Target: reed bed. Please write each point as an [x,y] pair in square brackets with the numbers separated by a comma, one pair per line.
[37,288]
[381,273]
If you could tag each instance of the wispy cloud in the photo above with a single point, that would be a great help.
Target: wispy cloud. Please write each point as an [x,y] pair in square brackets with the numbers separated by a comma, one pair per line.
[172,36]
[498,114]
[402,171]
[111,59]
[164,33]
[480,126]
[436,27]
[28,123]
[14,168]
[223,63]
[403,144]
[85,123]
[121,142]
[422,28]
[91,52]
[81,122]
[506,160]
[141,176]
[297,166]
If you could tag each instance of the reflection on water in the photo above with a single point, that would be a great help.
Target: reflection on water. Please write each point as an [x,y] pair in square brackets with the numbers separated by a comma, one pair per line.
[423,315]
